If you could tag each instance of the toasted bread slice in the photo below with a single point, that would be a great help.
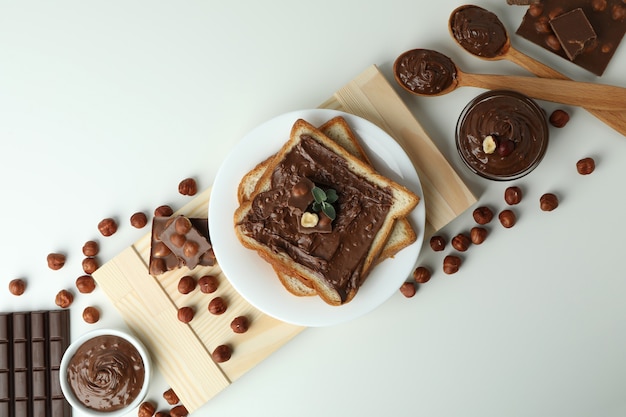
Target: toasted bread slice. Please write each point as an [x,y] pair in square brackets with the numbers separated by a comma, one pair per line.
[337,278]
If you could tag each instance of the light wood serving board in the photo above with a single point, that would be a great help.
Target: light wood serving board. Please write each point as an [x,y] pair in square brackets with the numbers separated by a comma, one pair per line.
[181,352]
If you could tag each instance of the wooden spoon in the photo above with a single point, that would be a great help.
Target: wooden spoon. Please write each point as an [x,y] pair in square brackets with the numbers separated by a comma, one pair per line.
[613,118]
[415,69]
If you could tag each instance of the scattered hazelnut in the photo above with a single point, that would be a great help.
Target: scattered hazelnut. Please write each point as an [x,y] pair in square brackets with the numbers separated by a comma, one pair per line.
[90,265]
[85,284]
[548,202]
[107,227]
[421,275]
[17,287]
[185,314]
[217,306]
[408,289]
[482,215]
[91,248]
[507,218]
[222,353]
[513,195]
[138,220]
[451,264]
[505,147]
[146,409]
[163,211]
[585,166]
[208,284]
[188,186]
[489,145]
[240,324]
[171,397]
[91,315]
[559,118]
[64,299]
[478,235]
[55,261]
[186,284]
[461,242]
[179,411]
[437,243]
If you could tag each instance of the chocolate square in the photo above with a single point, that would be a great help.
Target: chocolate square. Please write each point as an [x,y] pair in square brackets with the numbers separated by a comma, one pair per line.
[573,31]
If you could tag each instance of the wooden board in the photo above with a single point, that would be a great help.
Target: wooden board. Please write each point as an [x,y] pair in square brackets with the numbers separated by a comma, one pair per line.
[181,352]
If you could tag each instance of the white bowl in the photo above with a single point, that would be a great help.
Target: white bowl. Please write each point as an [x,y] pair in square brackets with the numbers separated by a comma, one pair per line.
[69,393]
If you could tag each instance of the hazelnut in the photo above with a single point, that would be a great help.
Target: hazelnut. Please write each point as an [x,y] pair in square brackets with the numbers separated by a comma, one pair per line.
[160,250]
[222,353]
[90,265]
[157,266]
[240,324]
[513,195]
[146,409]
[185,314]
[461,242]
[451,264]
[186,284]
[177,240]
[161,414]
[606,48]
[559,118]
[190,248]
[91,315]
[188,186]
[64,299]
[17,286]
[85,284]
[179,411]
[535,9]
[437,243]
[478,235]
[505,147]
[618,12]
[182,225]
[55,261]
[421,275]
[107,227]
[548,202]
[163,211]
[557,11]
[542,25]
[91,248]
[507,218]
[482,215]
[138,220]
[171,397]
[553,42]
[208,284]
[408,289]
[598,5]
[585,166]
[217,306]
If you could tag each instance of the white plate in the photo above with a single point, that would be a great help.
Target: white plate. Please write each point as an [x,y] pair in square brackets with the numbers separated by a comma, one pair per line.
[253,278]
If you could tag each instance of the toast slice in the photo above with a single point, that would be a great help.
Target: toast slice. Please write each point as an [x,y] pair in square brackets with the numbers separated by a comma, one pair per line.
[334,263]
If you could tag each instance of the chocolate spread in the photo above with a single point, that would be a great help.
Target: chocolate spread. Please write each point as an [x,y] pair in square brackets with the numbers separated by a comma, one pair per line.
[337,256]
[424,71]
[478,31]
[505,115]
[106,373]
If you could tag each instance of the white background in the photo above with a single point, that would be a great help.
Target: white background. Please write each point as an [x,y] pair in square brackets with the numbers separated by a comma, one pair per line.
[106,106]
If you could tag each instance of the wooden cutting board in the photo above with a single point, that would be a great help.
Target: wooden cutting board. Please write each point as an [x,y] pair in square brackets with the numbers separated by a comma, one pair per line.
[181,352]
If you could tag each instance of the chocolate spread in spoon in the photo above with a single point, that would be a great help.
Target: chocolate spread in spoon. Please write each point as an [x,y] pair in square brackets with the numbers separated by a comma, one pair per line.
[478,31]
[425,71]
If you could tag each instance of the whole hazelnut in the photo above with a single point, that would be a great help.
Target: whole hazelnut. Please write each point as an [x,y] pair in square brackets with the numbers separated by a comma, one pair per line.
[535,9]
[161,414]
[408,289]
[190,248]
[618,12]
[513,195]
[64,299]
[107,227]
[208,284]
[138,220]
[606,47]
[188,186]
[185,314]
[553,42]
[451,264]
[437,243]
[90,265]
[171,397]
[186,284]
[17,286]
[598,5]
[55,260]
[482,215]
[505,147]
[507,218]
[421,275]
[91,248]
[163,211]
[179,411]
[182,225]
[542,25]
[85,284]
[461,242]
[548,202]
[478,235]
[585,166]
[559,118]
[222,353]
[217,306]
[240,324]
[91,315]
[146,409]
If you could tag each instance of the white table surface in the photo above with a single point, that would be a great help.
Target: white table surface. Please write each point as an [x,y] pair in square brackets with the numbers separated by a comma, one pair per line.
[106,106]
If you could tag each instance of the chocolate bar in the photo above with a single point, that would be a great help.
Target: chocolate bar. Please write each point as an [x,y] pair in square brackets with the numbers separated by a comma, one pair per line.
[607,18]
[31,347]
[573,31]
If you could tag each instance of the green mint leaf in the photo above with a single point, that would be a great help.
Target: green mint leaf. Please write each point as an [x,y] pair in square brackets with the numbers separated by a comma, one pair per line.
[329,211]
[318,194]
[331,195]
[317,206]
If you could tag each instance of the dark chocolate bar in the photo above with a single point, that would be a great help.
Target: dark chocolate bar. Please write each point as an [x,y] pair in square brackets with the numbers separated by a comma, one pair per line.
[31,347]
[573,31]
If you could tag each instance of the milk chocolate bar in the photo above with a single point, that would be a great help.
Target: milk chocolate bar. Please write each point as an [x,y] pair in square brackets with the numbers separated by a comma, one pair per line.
[573,31]
[606,17]
[31,347]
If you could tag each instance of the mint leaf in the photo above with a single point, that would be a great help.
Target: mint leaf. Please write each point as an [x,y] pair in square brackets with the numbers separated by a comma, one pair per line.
[331,195]
[329,210]
[318,194]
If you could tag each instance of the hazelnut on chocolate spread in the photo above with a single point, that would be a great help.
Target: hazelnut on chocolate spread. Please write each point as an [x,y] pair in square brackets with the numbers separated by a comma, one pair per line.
[337,256]
[106,373]
[424,71]
[478,31]
[516,128]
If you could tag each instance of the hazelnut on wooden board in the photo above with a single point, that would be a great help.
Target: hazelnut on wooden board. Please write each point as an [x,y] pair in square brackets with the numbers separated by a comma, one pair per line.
[461,242]
[482,215]
[138,220]
[451,264]
[548,202]
[408,289]
[85,284]
[17,286]
[186,284]
[107,227]
[585,166]
[170,396]
[222,353]
[240,324]
[55,260]
[217,306]
[64,299]
[507,218]
[91,248]
[188,186]
[91,315]
[421,275]
[185,314]
[513,195]
[208,284]
[90,265]
[437,243]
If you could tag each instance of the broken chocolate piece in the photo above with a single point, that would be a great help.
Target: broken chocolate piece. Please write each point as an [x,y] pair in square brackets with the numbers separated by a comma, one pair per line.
[185,241]
[573,31]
